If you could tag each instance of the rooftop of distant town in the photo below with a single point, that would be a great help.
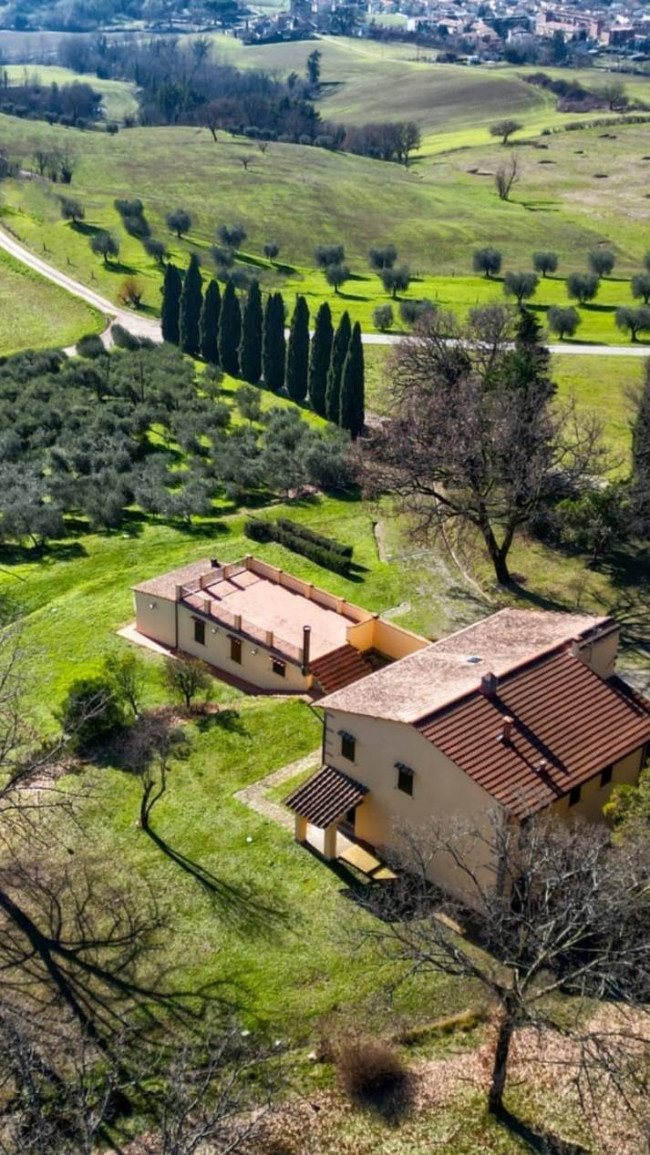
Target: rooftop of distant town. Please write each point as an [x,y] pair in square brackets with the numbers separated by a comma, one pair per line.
[445,671]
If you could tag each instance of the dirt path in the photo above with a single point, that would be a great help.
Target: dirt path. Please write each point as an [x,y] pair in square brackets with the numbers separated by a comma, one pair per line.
[254,796]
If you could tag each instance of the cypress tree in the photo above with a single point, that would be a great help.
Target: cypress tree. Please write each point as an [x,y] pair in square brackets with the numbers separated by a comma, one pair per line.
[250,350]
[209,324]
[352,410]
[319,361]
[171,299]
[298,352]
[190,309]
[335,372]
[229,330]
[273,349]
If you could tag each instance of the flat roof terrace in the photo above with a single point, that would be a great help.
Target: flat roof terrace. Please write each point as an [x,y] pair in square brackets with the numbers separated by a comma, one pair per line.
[262,602]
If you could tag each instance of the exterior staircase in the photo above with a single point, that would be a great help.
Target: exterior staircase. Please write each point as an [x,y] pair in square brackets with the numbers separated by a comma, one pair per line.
[340,668]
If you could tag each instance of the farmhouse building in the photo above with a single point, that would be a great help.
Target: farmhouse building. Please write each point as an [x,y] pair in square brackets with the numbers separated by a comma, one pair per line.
[518,714]
[266,628]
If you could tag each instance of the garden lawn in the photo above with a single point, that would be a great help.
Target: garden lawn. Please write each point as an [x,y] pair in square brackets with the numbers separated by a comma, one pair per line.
[37,314]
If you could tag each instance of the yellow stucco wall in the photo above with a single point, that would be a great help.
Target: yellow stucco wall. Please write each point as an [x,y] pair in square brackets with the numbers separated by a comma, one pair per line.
[601,654]
[155,618]
[593,796]
[440,789]
[255,666]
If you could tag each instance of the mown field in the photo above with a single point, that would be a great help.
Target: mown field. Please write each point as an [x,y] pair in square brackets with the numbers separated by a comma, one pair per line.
[37,314]
[118,97]
[576,192]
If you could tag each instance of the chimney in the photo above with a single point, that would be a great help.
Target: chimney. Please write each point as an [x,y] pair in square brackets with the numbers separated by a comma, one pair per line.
[507,724]
[489,683]
[306,641]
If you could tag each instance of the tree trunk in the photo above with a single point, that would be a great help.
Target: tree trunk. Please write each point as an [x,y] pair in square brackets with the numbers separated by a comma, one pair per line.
[500,1067]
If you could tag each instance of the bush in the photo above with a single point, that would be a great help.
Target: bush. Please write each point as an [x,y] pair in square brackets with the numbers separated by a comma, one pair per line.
[328,558]
[412,311]
[317,538]
[90,346]
[91,713]
[122,339]
[371,1073]
[382,318]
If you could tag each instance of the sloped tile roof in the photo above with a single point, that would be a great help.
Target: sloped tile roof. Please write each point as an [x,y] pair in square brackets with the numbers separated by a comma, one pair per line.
[569,724]
[326,796]
[340,668]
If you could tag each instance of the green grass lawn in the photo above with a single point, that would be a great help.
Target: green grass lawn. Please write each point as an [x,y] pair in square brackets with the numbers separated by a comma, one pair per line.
[437,212]
[118,96]
[37,314]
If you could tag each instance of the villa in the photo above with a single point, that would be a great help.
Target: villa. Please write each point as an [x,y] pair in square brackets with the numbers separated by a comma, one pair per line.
[521,713]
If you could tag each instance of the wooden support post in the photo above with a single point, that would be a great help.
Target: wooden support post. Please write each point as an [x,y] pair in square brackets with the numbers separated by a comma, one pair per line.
[329,841]
[300,832]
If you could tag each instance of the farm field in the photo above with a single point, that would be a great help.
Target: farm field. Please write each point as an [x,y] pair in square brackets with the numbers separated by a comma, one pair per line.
[37,314]
[437,212]
[118,97]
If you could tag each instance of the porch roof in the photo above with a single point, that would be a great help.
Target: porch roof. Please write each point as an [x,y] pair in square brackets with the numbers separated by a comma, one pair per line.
[326,796]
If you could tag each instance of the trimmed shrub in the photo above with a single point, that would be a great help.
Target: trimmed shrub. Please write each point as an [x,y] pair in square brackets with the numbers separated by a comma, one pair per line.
[371,1073]
[329,543]
[267,531]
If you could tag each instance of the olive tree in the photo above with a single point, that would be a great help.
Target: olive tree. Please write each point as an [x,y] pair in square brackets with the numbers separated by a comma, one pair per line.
[640,286]
[601,262]
[563,320]
[545,263]
[633,321]
[582,287]
[505,128]
[522,286]
[487,261]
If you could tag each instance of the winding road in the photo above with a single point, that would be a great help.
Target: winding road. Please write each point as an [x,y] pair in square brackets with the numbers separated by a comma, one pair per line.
[142,326]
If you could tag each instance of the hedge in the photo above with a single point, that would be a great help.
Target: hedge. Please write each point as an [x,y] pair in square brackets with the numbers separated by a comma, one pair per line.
[266,531]
[328,543]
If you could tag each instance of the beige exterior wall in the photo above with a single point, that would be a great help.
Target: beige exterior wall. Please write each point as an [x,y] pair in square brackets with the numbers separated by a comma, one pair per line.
[600,655]
[393,641]
[155,618]
[593,796]
[440,789]
[255,666]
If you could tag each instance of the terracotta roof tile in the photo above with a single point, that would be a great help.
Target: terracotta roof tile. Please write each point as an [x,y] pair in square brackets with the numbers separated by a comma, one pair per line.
[326,796]
[340,668]
[568,724]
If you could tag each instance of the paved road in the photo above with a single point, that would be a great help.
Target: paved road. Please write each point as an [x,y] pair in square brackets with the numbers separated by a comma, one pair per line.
[143,326]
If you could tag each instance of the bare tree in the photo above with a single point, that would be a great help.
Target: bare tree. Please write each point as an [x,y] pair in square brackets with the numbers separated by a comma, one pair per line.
[185,677]
[552,917]
[473,442]
[151,747]
[506,176]
[127,673]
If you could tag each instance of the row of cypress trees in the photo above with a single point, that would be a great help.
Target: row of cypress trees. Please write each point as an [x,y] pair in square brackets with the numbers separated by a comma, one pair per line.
[250,342]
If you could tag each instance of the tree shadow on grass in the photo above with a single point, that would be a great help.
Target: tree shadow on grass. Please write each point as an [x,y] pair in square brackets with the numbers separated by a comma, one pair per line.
[119,267]
[55,551]
[239,905]
[539,1141]
[225,718]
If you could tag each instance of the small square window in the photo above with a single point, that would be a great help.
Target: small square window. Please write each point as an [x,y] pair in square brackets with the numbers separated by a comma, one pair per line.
[348,747]
[404,778]
[199,631]
[278,667]
[235,650]
[606,776]
[574,795]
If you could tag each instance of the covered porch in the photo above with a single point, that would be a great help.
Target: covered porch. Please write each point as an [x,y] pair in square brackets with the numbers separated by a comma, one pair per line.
[324,809]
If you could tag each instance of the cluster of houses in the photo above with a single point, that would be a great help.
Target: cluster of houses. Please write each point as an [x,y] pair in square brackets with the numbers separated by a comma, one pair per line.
[521,713]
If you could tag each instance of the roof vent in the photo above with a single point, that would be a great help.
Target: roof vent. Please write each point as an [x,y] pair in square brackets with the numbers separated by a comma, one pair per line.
[473,659]
[489,684]
[507,724]
[542,768]
[214,563]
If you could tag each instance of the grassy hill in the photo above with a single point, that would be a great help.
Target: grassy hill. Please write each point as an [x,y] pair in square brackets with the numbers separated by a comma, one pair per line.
[37,314]
[118,97]
[576,191]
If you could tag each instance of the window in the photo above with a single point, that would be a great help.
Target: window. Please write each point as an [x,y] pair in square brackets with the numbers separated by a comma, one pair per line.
[404,778]
[574,795]
[199,631]
[606,776]
[235,650]
[278,667]
[348,746]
